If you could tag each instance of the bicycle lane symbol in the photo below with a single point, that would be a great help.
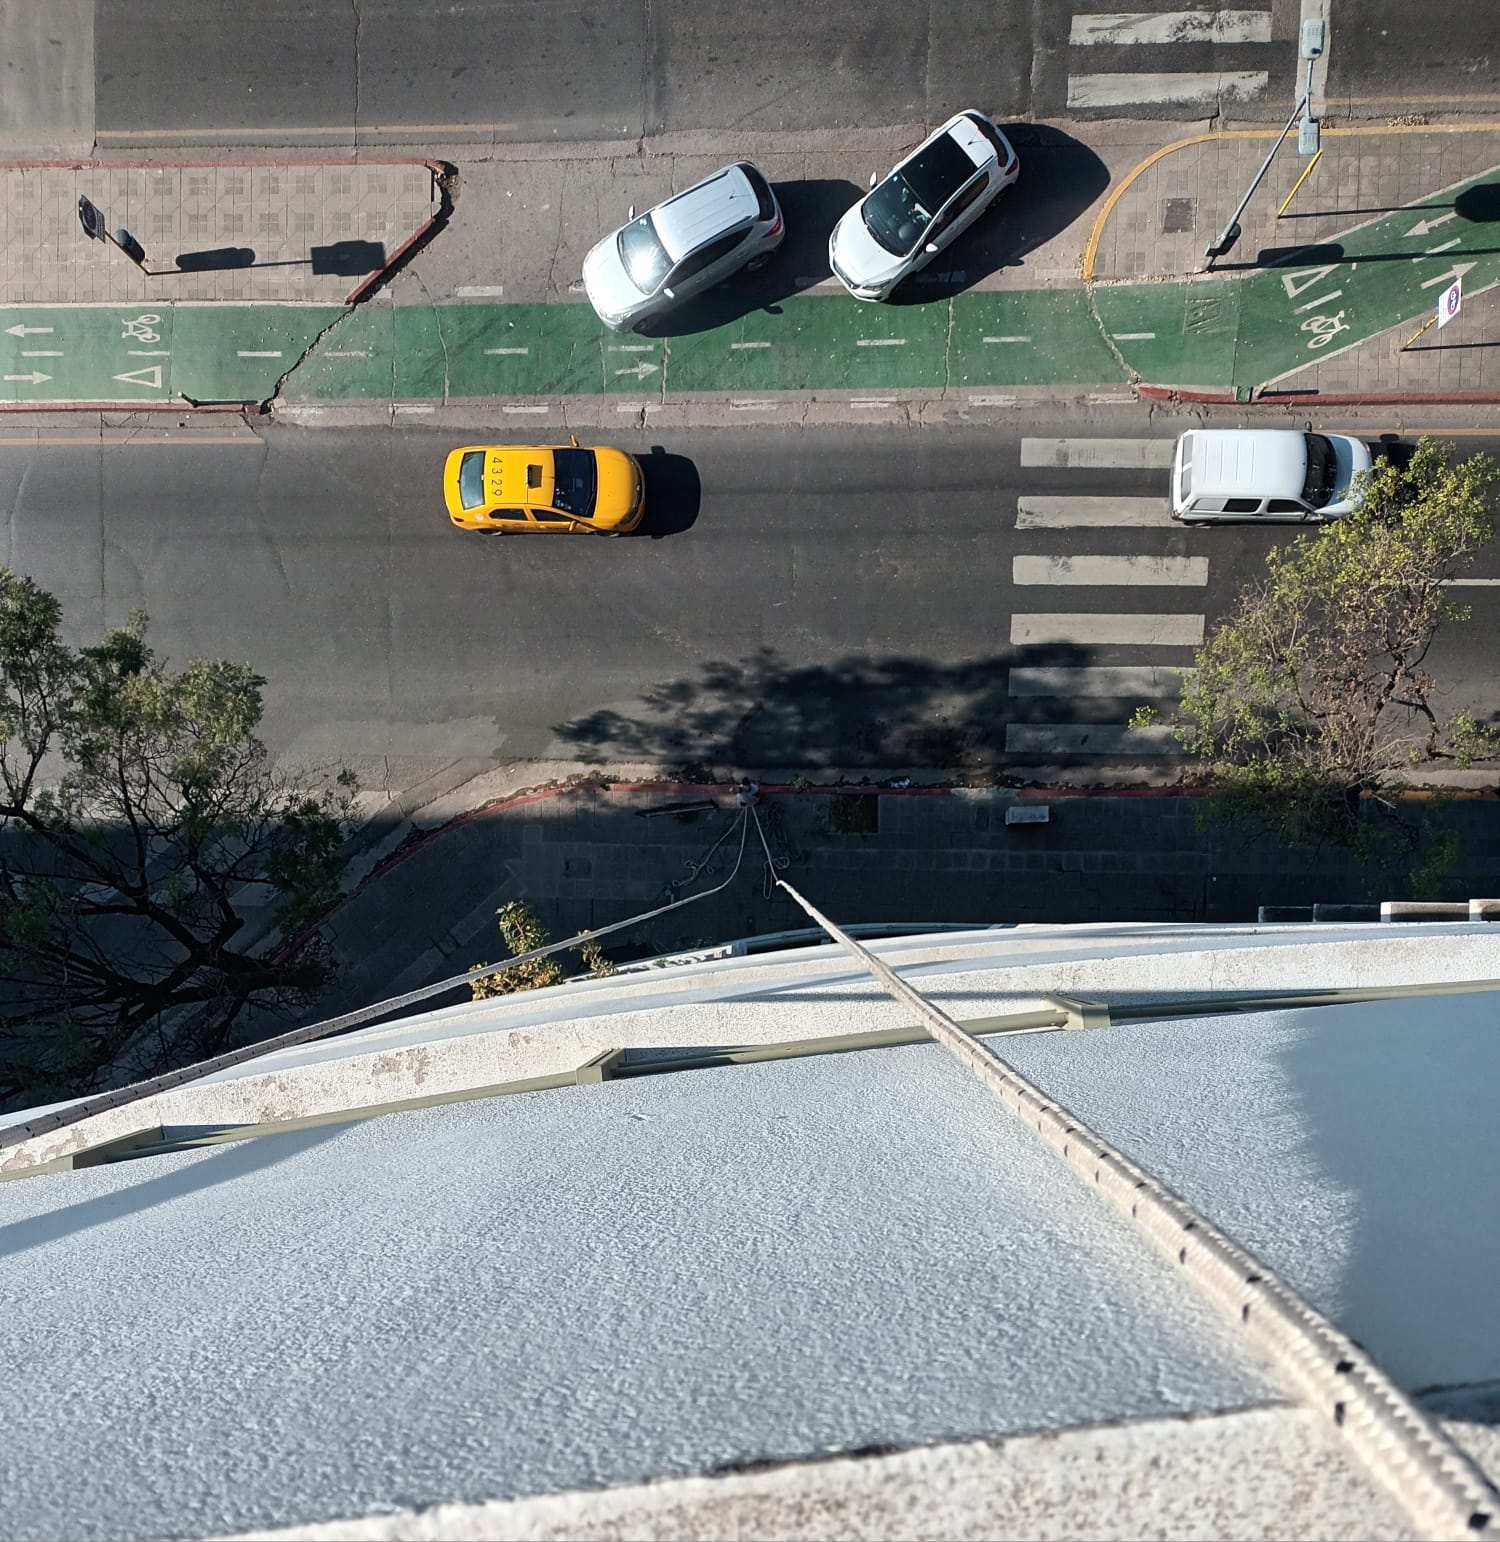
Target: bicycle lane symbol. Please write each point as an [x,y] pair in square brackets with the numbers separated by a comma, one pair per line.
[142,328]
[1324,329]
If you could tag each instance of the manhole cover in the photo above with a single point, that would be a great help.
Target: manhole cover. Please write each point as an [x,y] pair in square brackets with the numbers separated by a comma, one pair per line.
[1178,215]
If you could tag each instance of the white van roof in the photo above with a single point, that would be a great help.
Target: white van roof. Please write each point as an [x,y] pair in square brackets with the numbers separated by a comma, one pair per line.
[1244,463]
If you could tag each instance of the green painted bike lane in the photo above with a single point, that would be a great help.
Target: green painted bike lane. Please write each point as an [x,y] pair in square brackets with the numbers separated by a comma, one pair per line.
[1214,332]
[1256,329]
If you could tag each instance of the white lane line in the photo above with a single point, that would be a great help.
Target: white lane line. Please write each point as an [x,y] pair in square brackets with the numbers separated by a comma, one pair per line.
[1312,305]
[873,401]
[737,346]
[880,342]
[1158,631]
[1104,399]
[761,406]
[1036,512]
[42,353]
[1124,27]
[244,353]
[1137,454]
[525,409]
[413,407]
[480,289]
[1158,681]
[347,353]
[992,401]
[630,347]
[1471,583]
[507,350]
[636,407]
[1135,89]
[149,353]
[1090,739]
[1107,572]
[1017,338]
[1133,337]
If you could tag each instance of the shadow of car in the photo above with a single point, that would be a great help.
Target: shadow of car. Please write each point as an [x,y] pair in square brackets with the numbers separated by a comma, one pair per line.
[1060,178]
[673,494]
[811,209]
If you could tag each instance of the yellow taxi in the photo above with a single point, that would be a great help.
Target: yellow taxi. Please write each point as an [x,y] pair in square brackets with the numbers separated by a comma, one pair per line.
[505,488]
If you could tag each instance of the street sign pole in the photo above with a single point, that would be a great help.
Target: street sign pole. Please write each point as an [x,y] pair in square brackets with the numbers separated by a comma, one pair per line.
[94,227]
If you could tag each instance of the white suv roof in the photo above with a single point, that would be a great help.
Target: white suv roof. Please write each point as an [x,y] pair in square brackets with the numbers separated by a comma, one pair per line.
[1268,462]
[711,208]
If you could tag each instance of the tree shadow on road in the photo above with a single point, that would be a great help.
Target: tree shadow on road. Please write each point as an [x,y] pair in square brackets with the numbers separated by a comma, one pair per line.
[851,711]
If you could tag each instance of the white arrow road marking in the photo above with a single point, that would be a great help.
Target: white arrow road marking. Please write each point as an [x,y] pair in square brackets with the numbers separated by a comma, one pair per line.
[507,350]
[36,377]
[142,377]
[243,354]
[1456,271]
[641,370]
[22,330]
[1432,251]
[1422,227]
[41,353]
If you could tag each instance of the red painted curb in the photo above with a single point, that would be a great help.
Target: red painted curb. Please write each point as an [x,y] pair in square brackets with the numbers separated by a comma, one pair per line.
[1157,393]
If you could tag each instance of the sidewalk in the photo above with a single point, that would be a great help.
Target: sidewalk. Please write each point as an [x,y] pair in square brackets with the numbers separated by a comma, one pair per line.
[1085,282]
[249,262]
[587,856]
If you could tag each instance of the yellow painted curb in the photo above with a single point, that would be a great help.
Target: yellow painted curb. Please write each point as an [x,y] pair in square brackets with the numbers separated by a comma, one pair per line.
[1091,250]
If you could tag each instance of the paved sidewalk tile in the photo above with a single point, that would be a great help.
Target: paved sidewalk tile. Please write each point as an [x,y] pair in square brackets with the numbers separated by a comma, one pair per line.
[214,231]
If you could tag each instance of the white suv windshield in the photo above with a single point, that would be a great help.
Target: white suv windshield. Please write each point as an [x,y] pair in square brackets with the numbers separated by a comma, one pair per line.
[644,257]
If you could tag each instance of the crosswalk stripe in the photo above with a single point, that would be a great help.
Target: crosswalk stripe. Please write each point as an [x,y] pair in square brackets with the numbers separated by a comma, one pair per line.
[1136,454]
[1101,572]
[1172,27]
[1159,631]
[1090,739]
[1140,89]
[1155,681]
[1047,513]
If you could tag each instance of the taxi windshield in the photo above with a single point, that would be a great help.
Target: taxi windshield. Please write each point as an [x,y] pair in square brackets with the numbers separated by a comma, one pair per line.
[471,479]
[574,482]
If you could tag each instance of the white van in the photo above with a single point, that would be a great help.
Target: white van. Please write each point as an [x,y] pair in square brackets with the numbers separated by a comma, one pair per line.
[1264,474]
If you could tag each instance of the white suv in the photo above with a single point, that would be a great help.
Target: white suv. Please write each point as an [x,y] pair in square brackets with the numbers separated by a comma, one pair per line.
[939,190]
[694,240]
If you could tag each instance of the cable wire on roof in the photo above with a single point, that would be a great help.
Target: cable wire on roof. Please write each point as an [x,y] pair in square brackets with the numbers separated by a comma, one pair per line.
[120,1097]
[1443,1493]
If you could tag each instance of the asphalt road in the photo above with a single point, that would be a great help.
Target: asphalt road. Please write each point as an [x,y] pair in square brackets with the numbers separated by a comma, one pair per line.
[119,74]
[819,598]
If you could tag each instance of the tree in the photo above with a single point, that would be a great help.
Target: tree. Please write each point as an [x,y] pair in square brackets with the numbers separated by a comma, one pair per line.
[1312,698]
[139,816]
[523,932]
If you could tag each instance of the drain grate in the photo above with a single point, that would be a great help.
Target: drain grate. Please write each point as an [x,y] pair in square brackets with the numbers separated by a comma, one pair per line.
[1178,215]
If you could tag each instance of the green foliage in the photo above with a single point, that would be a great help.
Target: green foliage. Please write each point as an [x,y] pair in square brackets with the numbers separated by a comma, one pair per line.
[137,811]
[1312,699]
[524,933]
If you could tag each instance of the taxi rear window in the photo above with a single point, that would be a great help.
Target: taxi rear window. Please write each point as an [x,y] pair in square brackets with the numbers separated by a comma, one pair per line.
[471,479]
